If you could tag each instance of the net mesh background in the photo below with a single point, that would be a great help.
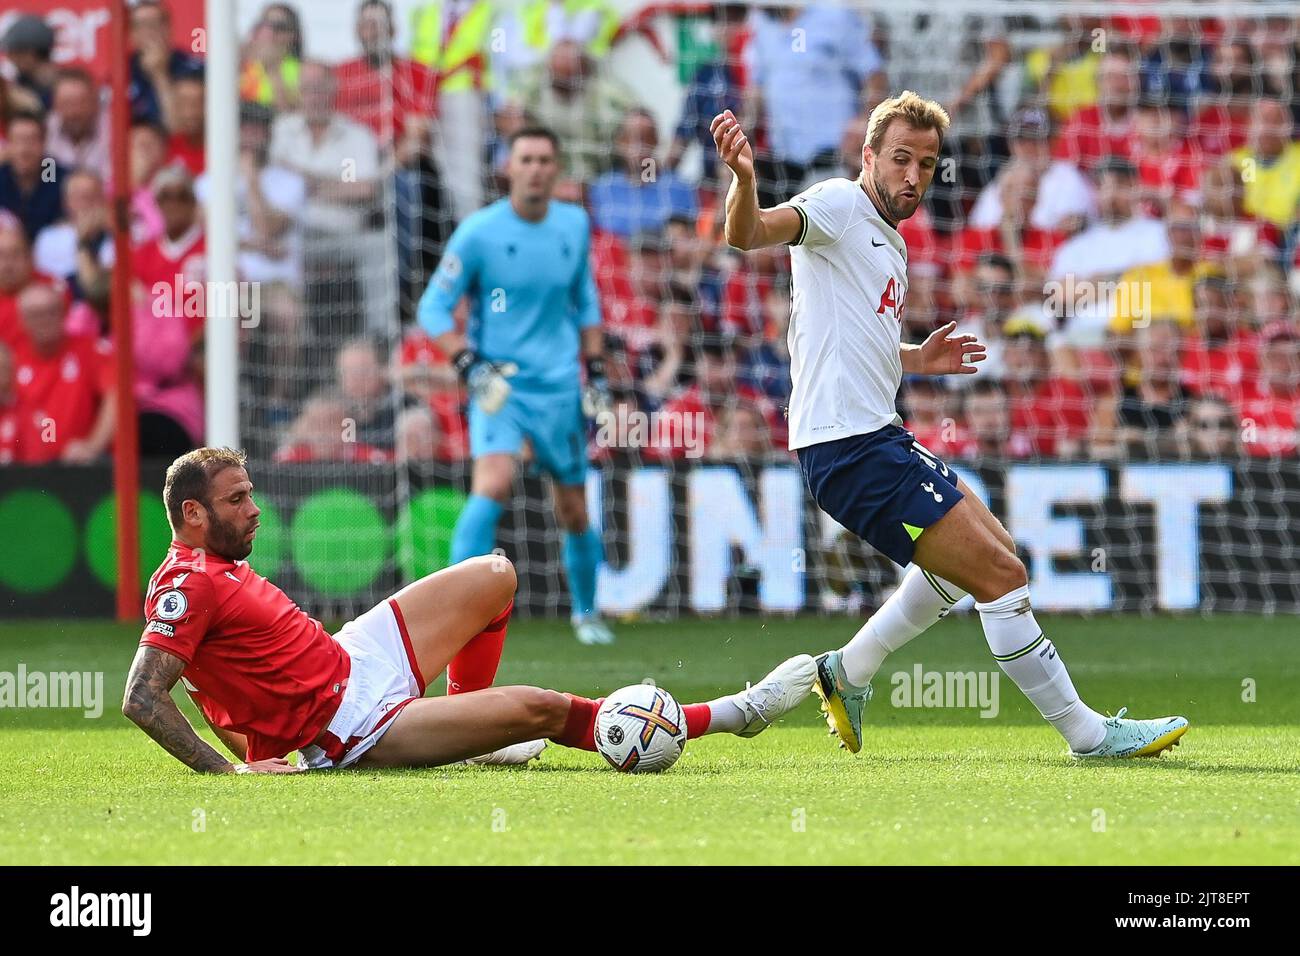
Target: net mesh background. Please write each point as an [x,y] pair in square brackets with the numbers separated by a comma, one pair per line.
[1114,212]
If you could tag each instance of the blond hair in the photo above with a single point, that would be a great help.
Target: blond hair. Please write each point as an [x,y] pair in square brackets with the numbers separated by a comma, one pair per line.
[913,110]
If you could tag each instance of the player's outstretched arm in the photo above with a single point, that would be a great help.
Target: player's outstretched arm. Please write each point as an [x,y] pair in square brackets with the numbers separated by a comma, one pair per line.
[148,703]
[748,226]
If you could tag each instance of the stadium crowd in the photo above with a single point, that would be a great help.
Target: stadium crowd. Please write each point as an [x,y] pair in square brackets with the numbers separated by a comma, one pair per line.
[1116,214]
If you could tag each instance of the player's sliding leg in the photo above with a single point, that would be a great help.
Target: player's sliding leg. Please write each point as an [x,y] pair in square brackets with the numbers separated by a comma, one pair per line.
[921,599]
[433,731]
[476,528]
[962,547]
[439,730]
[583,554]
[746,713]
[457,620]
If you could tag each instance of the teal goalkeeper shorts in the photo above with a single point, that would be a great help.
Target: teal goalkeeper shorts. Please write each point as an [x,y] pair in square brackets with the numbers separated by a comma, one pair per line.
[551,420]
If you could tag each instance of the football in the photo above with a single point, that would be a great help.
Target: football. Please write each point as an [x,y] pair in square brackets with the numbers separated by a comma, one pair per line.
[640,729]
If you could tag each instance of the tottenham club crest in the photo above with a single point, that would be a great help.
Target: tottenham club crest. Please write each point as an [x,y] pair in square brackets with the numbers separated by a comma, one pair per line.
[171,606]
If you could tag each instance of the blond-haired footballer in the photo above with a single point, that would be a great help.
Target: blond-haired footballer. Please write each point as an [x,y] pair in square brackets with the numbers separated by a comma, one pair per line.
[847,361]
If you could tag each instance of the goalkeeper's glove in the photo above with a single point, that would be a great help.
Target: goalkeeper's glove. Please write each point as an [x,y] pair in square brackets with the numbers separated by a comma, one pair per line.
[486,381]
[596,401]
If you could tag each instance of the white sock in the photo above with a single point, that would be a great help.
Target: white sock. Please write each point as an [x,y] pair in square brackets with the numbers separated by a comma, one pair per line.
[1026,656]
[726,716]
[921,600]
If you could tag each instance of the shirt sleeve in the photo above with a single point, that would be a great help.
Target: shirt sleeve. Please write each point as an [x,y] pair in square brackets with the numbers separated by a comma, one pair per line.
[825,209]
[454,277]
[586,303]
[178,614]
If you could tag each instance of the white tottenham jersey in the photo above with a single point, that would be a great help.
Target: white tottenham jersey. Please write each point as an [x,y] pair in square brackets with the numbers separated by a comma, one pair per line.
[849,278]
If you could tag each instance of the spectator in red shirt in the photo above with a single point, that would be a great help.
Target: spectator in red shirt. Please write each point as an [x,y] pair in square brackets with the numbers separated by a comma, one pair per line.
[1270,404]
[323,432]
[1166,162]
[428,377]
[739,436]
[1221,357]
[173,268]
[1222,122]
[65,391]
[632,280]
[1014,236]
[1051,411]
[366,83]
[12,431]
[746,288]
[186,145]
[1108,127]
[17,273]
[989,433]
[689,419]
[929,417]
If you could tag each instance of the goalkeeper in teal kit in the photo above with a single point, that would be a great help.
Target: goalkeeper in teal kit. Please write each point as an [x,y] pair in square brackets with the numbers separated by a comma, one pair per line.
[534,320]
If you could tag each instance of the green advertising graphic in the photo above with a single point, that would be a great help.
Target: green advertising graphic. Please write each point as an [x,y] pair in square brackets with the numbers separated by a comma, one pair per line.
[101,539]
[340,542]
[40,541]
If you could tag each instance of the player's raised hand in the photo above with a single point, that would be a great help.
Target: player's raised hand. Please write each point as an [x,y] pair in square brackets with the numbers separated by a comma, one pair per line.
[942,354]
[274,765]
[732,144]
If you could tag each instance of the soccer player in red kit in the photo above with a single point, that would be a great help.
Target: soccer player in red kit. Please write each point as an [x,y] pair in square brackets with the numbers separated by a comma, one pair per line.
[269,680]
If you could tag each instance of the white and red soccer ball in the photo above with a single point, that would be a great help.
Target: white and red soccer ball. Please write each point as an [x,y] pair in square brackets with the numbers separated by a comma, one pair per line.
[640,729]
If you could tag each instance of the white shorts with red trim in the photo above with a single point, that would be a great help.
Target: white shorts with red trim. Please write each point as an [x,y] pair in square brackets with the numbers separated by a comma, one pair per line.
[385,678]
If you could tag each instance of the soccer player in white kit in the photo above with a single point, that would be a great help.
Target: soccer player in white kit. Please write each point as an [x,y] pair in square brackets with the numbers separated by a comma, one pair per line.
[847,360]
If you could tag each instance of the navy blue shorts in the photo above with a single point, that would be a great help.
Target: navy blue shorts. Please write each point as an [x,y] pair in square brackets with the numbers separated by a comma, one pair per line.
[885,487]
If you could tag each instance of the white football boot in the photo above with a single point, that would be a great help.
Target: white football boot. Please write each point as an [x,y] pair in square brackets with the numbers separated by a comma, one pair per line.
[512,756]
[776,694]
[1137,738]
[592,630]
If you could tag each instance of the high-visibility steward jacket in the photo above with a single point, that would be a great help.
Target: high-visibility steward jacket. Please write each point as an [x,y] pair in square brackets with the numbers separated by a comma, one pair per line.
[535,20]
[459,59]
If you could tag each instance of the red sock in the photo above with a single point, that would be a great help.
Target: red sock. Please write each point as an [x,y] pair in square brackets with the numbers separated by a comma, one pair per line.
[580,727]
[475,667]
[698,717]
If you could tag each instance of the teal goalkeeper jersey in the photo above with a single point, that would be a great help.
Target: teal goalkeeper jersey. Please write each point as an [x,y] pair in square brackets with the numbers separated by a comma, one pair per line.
[530,287]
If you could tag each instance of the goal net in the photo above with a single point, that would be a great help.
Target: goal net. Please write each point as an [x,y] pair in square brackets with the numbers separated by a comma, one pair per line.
[1113,211]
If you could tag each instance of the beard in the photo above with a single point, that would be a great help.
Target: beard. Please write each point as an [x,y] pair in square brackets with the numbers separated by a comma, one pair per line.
[227,540]
[892,208]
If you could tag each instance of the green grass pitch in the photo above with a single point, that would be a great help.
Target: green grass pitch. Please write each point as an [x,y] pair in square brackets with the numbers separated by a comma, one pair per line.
[932,785]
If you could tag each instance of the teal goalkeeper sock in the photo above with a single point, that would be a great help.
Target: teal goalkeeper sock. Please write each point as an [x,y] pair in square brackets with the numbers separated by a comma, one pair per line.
[476,528]
[582,556]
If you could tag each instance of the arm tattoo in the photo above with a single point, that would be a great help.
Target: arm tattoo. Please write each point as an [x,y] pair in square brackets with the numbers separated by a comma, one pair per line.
[149,703]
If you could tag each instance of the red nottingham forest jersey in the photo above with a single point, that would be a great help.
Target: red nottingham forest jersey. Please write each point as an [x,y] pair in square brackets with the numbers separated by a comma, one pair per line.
[255,663]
